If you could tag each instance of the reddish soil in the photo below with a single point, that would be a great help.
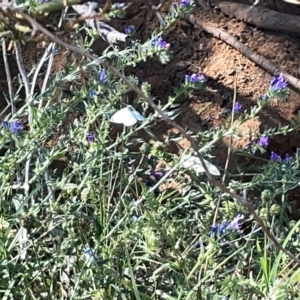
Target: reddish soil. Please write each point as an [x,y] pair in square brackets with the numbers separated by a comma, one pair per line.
[194,50]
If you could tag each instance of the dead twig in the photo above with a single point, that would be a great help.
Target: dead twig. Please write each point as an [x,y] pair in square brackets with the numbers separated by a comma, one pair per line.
[228,152]
[261,17]
[108,33]
[243,49]
[22,71]
[23,238]
[8,77]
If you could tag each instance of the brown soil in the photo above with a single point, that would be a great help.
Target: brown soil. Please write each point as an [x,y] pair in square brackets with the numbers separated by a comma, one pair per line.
[194,50]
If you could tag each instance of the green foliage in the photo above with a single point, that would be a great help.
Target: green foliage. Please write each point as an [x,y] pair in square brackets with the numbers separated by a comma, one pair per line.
[91,217]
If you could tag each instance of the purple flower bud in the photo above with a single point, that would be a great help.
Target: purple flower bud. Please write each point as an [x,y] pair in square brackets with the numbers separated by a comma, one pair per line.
[275,157]
[277,83]
[184,3]
[237,107]
[202,77]
[214,229]
[263,141]
[129,29]
[160,43]
[196,78]
[15,127]
[90,137]
[102,77]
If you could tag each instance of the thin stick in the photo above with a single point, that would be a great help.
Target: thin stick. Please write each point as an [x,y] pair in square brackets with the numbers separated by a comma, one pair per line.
[38,68]
[228,152]
[45,81]
[261,17]
[21,68]
[8,77]
[23,235]
[243,49]
[230,140]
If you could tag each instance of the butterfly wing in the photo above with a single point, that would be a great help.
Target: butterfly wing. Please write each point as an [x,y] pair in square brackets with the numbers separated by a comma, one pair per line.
[138,116]
[118,117]
[124,116]
[211,168]
[127,116]
[129,120]
[187,161]
[194,163]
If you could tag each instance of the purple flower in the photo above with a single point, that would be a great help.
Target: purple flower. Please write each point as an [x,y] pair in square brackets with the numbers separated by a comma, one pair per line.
[129,29]
[196,78]
[184,3]
[90,137]
[237,107]
[5,124]
[102,77]
[222,227]
[13,126]
[287,159]
[218,228]
[118,5]
[277,83]
[160,43]
[275,157]
[263,141]
[234,224]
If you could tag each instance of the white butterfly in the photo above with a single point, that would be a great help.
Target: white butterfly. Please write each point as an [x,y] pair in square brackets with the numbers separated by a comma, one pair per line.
[127,116]
[194,163]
